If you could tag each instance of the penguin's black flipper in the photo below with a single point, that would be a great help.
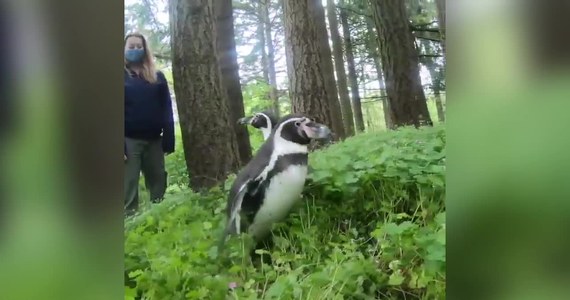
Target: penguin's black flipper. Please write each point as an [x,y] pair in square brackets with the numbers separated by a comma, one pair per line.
[245,186]
[234,207]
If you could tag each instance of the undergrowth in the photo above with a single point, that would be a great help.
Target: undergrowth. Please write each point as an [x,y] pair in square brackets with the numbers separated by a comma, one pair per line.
[371,226]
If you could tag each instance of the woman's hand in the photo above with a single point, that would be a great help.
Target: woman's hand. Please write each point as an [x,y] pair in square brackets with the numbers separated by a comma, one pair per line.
[125,156]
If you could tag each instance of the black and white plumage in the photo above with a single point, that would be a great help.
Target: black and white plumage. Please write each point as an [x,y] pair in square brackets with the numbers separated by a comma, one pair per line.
[268,187]
[264,121]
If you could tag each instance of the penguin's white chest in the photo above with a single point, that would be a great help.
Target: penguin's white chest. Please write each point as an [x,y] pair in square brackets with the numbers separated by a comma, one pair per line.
[281,195]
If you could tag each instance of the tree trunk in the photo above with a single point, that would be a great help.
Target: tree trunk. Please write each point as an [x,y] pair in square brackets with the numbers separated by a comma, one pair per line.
[262,42]
[441,20]
[346,109]
[400,64]
[270,57]
[439,105]
[227,56]
[373,47]
[436,87]
[208,137]
[327,68]
[261,35]
[307,88]
[356,105]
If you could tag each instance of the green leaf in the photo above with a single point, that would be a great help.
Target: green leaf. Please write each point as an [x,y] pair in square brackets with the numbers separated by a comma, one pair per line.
[440,218]
[359,165]
[207,225]
[213,252]
[136,273]
[235,269]
[440,237]
[437,181]
[418,281]
[350,178]
[320,175]
[394,265]
[435,253]
[377,233]
[396,278]
[391,229]
[402,216]
[406,225]
[276,290]
[130,293]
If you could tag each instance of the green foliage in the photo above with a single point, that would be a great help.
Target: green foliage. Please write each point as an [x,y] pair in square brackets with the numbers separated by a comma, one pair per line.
[371,226]
[176,166]
[256,99]
[373,112]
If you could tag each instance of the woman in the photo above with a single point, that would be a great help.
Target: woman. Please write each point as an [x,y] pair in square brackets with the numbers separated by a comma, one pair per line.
[149,124]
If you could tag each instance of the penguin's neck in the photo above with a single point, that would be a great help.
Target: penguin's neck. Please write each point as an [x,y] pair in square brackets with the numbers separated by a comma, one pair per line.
[282,146]
[266,132]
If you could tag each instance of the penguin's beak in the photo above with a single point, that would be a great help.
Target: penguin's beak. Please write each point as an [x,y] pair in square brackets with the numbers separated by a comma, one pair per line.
[244,120]
[317,131]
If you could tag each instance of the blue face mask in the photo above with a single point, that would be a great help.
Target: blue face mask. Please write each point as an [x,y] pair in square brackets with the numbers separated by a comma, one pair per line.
[134,55]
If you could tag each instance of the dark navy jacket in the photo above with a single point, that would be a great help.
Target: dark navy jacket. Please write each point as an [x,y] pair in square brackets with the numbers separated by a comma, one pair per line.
[148,110]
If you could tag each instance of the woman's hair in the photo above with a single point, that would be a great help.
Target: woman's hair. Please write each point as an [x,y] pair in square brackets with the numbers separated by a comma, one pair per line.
[149,70]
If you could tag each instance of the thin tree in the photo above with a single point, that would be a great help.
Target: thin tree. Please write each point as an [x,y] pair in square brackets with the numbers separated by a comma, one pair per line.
[307,88]
[346,109]
[373,48]
[262,43]
[327,65]
[268,38]
[441,20]
[437,77]
[400,63]
[208,138]
[352,77]
[227,55]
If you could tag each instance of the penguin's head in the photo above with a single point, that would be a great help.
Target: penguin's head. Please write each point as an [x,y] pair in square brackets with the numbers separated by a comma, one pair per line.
[301,129]
[259,120]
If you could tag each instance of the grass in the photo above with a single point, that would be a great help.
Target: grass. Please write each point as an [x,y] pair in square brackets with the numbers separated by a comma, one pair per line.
[371,226]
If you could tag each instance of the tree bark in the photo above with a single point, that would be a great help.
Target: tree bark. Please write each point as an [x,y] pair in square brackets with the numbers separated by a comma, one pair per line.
[437,76]
[436,87]
[328,71]
[270,57]
[400,64]
[373,47]
[227,56]
[262,42]
[307,88]
[441,20]
[439,105]
[346,109]
[356,105]
[208,137]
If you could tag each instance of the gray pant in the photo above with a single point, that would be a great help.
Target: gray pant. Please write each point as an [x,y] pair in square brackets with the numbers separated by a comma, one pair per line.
[146,156]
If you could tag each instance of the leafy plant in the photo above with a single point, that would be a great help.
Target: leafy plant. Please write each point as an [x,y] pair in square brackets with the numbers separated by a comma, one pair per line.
[371,226]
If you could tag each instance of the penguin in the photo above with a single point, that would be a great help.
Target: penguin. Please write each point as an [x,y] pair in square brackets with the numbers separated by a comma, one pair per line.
[264,121]
[266,189]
